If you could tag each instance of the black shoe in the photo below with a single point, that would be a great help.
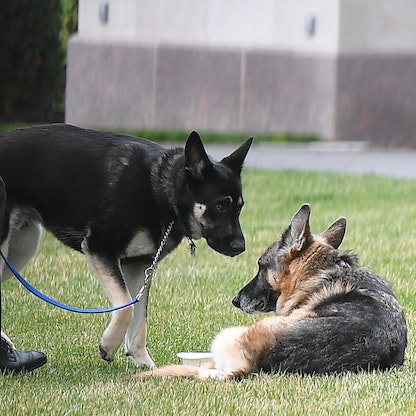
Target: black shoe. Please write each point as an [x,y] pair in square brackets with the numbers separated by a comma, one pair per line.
[15,361]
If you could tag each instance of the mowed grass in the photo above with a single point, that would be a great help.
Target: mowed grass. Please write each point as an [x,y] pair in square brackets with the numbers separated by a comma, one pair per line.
[191,302]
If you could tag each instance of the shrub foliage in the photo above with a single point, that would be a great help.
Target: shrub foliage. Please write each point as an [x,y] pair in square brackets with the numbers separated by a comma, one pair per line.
[32,73]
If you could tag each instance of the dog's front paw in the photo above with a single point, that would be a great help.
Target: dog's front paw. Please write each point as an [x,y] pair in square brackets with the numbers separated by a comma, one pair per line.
[142,358]
[213,373]
[111,340]
[108,347]
[106,353]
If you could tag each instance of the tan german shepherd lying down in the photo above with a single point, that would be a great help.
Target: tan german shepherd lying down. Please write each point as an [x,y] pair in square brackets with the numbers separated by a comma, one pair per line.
[330,314]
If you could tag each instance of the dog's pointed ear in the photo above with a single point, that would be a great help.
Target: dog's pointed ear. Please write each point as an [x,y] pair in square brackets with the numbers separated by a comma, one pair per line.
[235,160]
[196,158]
[336,232]
[299,229]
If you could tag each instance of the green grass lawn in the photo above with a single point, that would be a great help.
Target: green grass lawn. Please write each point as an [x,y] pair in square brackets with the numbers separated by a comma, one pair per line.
[191,302]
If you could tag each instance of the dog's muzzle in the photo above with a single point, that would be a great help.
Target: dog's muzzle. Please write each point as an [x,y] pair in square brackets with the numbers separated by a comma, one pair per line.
[229,248]
[256,297]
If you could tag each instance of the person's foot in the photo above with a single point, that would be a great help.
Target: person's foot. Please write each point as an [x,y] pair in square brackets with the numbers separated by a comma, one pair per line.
[15,361]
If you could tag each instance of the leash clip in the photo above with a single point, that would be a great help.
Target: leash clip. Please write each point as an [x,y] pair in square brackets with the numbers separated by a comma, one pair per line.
[148,273]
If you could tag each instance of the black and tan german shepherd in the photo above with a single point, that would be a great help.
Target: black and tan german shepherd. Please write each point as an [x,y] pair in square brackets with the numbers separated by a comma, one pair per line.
[112,197]
[331,315]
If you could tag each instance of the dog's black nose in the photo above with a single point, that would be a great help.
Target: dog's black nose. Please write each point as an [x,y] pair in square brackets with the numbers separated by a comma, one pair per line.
[237,246]
[236,301]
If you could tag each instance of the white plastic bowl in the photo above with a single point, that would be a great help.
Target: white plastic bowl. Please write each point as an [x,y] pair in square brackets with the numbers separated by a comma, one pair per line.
[195,359]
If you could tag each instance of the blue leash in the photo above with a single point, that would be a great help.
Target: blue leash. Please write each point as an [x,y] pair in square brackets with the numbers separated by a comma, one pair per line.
[54,302]
[148,276]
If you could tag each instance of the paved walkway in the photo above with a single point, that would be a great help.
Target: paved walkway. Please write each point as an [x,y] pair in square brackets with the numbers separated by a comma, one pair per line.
[353,158]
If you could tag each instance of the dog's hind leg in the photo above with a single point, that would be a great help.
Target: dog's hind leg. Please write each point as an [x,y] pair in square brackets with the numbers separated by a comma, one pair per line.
[137,330]
[20,246]
[111,279]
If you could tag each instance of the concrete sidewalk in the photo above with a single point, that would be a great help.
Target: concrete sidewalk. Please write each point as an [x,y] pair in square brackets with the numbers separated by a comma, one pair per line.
[348,157]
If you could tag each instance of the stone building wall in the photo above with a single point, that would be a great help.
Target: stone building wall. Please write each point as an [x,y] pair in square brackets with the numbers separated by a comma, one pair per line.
[338,69]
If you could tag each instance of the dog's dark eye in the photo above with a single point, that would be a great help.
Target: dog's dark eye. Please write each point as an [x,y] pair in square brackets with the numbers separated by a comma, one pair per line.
[224,205]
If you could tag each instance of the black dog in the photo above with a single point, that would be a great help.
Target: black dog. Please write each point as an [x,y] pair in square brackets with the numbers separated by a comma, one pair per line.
[112,197]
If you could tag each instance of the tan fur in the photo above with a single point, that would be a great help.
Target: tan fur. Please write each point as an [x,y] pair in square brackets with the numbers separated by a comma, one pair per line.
[171,371]
[300,270]
[205,372]
[140,245]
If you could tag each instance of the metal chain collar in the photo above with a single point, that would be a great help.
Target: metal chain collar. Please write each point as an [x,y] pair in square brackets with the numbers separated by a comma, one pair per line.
[150,271]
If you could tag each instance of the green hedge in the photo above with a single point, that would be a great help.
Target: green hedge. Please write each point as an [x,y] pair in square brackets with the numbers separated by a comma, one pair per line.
[32,58]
